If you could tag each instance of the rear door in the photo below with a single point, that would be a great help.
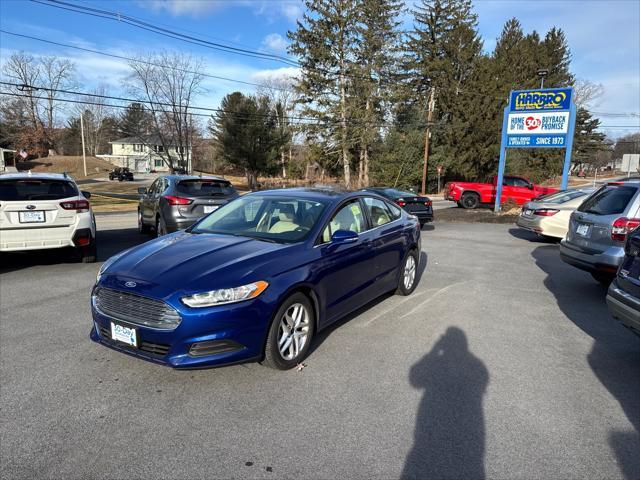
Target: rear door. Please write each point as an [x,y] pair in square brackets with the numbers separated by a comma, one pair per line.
[207,195]
[629,275]
[590,225]
[148,211]
[35,203]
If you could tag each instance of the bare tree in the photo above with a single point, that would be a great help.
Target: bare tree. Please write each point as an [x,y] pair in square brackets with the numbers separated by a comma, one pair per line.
[166,84]
[95,112]
[38,84]
[586,92]
[283,98]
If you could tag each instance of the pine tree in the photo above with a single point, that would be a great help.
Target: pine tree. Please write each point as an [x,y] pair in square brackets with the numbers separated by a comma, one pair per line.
[135,121]
[587,142]
[376,60]
[324,42]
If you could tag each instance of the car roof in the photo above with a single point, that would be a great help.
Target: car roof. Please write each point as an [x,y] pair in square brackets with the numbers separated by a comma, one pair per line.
[195,177]
[313,193]
[36,176]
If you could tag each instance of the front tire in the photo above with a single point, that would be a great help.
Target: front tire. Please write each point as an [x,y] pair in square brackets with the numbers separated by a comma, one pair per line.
[408,274]
[142,228]
[470,200]
[290,333]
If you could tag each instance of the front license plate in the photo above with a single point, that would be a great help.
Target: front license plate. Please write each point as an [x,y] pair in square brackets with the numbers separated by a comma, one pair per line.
[210,208]
[124,334]
[31,217]
[583,230]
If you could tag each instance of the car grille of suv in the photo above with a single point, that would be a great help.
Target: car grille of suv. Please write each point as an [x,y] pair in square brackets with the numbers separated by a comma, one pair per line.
[136,309]
[155,348]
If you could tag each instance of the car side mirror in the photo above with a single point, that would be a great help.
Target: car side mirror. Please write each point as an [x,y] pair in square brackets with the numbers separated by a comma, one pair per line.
[142,190]
[85,194]
[341,237]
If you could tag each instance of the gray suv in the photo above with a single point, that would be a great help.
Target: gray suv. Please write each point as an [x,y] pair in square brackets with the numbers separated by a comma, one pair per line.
[175,202]
[599,228]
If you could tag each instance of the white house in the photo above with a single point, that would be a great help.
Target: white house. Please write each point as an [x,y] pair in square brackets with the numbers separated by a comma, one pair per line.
[144,155]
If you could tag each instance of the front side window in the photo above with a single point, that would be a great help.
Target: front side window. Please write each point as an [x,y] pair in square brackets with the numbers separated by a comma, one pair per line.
[36,189]
[348,217]
[268,218]
[378,212]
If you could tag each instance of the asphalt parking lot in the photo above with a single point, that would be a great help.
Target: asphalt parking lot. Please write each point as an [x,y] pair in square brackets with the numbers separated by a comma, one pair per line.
[504,363]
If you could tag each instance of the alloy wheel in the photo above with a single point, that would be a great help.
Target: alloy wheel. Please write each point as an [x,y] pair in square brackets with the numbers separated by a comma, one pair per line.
[409,272]
[293,331]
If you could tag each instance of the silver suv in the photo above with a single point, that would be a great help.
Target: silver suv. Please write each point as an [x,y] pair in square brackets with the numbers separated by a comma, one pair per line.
[599,228]
[175,202]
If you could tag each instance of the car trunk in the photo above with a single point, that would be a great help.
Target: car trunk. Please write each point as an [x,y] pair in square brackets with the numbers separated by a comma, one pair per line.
[32,204]
[590,227]
[205,195]
[415,204]
[629,276]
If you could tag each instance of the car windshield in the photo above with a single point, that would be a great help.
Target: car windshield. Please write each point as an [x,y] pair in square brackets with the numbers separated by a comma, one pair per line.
[609,200]
[36,189]
[268,218]
[205,188]
[562,197]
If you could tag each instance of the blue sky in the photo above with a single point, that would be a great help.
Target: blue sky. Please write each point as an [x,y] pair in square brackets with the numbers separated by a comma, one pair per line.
[603,35]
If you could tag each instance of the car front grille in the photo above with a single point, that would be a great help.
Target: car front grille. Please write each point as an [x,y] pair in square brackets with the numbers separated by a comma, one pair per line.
[154,348]
[136,309]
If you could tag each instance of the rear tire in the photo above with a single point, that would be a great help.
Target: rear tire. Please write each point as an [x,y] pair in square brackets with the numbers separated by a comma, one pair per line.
[290,334]
[408,274]
[89,253]
[161,227]
[602,278]
[470,200]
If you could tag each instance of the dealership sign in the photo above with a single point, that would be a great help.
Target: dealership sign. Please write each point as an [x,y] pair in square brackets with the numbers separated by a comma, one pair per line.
[542,118]
[539,118]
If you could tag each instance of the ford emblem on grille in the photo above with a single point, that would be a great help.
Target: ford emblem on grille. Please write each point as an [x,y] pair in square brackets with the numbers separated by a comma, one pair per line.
[31,207]
[130,284]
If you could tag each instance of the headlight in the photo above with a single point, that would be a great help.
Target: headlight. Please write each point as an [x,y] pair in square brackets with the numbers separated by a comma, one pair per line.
[225,295]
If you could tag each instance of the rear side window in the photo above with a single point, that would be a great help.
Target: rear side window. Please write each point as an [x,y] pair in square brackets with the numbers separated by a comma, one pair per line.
[609,200]
[205,188]
[378,212]
[36,189]
[561,197]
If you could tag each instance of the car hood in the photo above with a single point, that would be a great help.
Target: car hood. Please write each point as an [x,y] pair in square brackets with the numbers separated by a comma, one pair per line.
[188,262]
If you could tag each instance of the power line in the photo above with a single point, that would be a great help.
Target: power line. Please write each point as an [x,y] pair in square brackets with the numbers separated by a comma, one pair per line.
[122,57]
[138,23]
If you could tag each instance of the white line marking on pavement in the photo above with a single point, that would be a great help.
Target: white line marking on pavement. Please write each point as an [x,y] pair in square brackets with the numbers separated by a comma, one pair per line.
[439,292]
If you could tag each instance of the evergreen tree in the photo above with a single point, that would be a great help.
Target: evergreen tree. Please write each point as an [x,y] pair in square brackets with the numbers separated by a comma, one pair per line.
[377,47]
[245,130]
[135,121]
[587,142]
[324,42]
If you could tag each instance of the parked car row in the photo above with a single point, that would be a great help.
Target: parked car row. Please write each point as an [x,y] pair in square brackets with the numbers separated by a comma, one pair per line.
[599,235]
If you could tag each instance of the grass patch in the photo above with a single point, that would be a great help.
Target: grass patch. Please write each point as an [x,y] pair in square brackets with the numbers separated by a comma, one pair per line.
[479,215]
[101,204]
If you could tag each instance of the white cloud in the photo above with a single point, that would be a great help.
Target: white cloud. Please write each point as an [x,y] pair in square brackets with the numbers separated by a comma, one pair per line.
[292,11]
[183,7]
[276,74]
[274,42]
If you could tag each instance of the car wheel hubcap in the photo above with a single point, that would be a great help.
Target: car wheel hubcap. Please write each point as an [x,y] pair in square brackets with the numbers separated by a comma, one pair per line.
[409,272]
[293,331]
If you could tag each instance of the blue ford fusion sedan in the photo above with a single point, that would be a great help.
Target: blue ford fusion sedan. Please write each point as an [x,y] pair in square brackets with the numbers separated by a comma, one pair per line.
[255,279]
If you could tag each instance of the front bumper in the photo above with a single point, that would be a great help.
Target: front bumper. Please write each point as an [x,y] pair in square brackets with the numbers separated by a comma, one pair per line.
[224,335]
[624,307]
[605,262]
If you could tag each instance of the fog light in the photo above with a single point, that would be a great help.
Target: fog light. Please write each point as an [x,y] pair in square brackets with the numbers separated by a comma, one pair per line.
[213,347]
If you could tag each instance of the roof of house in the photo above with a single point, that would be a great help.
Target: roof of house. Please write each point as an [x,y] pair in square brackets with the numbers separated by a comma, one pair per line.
[152,139]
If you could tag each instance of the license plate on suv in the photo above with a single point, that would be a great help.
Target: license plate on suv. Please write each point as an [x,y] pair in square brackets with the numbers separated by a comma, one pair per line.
[36,216]
[210,208]
[583,230]
[128,335]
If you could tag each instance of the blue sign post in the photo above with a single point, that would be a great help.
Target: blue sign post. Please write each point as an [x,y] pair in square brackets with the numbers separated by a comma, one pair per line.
[543,118]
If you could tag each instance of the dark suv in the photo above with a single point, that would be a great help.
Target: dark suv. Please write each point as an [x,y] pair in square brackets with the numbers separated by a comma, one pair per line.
[121,174]
[623,297]
[599,227]
[175,202]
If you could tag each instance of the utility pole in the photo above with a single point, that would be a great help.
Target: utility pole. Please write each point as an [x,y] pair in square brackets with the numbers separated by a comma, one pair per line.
[427,135]
[84,158]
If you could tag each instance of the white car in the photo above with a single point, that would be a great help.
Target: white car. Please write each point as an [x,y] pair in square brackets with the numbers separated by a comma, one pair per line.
[42,211]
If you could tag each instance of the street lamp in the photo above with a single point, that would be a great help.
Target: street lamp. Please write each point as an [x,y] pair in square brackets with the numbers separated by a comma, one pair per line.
[542,72]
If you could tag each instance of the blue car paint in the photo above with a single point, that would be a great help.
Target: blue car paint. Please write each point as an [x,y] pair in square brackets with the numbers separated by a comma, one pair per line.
[338,278]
